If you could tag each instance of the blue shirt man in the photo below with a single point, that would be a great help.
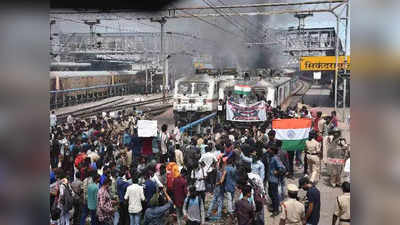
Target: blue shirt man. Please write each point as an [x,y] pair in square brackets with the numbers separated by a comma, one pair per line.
[276,171]
[150,187]
[276,167]
[229,177]
[126,139]
[313,205]
[257,167]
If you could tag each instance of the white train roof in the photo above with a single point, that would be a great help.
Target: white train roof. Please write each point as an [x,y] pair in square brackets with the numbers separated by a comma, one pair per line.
[196,77]
[65,74]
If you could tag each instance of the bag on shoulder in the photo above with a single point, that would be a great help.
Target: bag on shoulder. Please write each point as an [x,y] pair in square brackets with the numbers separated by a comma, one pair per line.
[198,201]
[67,200]
[55,212]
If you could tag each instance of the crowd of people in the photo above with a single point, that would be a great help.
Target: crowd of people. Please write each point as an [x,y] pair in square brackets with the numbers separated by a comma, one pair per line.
[102,171]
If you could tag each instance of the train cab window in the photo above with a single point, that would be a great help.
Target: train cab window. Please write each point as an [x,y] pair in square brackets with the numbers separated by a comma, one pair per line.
[185,88]
[200,88]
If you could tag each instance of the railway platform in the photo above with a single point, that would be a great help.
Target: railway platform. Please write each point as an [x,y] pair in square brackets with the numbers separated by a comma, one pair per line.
[318,95]
[108,101]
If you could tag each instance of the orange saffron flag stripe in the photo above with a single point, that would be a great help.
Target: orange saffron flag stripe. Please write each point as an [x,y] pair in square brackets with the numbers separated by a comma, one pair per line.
[291,123]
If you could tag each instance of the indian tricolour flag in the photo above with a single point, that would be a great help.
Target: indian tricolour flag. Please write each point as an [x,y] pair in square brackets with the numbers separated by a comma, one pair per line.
[242,89]
[292,132]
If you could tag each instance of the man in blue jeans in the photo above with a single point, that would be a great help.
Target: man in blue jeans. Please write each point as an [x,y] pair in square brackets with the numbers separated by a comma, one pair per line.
[218,195]
[229,177]
[276,170]
[134,195]
[93,188]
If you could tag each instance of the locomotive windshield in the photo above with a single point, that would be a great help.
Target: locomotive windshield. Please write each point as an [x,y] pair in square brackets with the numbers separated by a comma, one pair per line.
[185,88]
[200,88]
[255,95]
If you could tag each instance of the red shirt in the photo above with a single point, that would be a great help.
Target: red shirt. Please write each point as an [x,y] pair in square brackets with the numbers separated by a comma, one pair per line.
[334,121]
[179,190]
[147,148]
[81,156]
[316,124]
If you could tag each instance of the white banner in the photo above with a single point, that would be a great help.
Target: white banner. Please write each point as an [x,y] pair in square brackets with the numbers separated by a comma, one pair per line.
[147,128]
[246,113]
[317,75]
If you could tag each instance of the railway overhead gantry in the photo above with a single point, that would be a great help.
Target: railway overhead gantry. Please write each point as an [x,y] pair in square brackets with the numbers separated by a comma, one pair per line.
[229,12]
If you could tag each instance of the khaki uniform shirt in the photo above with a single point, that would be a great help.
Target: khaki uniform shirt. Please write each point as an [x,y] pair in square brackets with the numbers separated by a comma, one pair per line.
[313,146]
[321,124]
[342,207]
[293,212]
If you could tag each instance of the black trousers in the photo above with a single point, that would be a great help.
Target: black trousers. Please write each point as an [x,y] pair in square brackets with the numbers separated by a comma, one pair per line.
[273,194]
[76,218]
[192,223]
[123,214]
[291,155]
[305,164]
[202,195]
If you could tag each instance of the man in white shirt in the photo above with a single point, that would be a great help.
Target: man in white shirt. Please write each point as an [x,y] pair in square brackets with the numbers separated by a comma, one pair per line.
[53,119]
[208,158]
[199,174]
[135,195]
[179,156]
[70,119]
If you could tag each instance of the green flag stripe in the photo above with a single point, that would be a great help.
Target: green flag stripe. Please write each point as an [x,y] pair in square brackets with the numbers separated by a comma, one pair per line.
[293,145]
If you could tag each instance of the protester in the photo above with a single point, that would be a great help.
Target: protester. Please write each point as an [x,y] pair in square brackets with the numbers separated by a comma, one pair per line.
[92,198]
[243,209]
[218,194]
[313,204]
[105,209]
[180,191]
[135,195]
[193,208]
[155,214]
[102,161]
[276,171]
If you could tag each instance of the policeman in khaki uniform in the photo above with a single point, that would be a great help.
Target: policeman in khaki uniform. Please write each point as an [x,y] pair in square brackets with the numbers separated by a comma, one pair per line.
[342,206]
[313,151]
[337,153]
[293,211]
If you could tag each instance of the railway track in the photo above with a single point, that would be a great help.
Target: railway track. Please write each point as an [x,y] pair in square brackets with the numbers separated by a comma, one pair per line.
[297,95]
[116,105]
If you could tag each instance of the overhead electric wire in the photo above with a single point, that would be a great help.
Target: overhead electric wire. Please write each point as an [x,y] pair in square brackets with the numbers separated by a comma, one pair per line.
[254,26]
[80,22]
[214,25]
[223,15]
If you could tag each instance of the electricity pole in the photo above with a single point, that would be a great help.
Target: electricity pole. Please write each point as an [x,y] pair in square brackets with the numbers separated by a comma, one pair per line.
[91,24]
[162,22]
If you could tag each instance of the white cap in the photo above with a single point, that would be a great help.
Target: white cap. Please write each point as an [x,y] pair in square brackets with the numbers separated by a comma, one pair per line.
[292,188]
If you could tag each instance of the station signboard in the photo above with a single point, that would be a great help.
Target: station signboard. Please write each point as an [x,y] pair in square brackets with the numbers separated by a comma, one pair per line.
[323,63]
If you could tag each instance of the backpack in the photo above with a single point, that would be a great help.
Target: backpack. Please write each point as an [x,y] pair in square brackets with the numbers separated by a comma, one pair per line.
[67,200]
[198,201]
[259,197]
